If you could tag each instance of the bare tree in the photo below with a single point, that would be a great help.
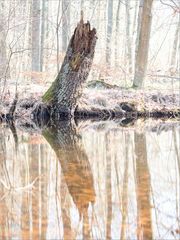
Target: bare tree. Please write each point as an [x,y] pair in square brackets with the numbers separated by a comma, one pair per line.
[3,56]
[143,36]
[65,23]
[128,38]
[35,35]
[174,50]
[109,31]
[117,32]
[42,34]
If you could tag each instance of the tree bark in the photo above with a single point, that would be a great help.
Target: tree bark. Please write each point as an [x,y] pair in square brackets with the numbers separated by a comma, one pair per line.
[143,35]
[65,91]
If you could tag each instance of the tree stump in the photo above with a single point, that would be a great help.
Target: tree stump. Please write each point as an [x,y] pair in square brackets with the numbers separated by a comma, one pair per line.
[63,95]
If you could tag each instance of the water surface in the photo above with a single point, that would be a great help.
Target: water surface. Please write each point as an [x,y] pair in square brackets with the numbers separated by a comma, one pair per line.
[102,181]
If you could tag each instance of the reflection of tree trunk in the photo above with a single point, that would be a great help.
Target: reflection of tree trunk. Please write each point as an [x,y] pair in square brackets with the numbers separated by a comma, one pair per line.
[4,216]
[125,189]
[143,188]
[86,225]
[25,214]
[34,170]
[176,149]
[74,163]
[38,198]
[44,192]
[68,234]
[108,187]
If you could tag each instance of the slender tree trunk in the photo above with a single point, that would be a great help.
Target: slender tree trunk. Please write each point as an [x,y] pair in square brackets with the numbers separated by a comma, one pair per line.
[134,32]
[65,91]
[128,39]
[65,23]
[144,27]
[3,56]
[174,50]
[82,4]
[35,36]
[46,42]
[135,16]
[138,25]
[117,33]
[109,32]
[42,34]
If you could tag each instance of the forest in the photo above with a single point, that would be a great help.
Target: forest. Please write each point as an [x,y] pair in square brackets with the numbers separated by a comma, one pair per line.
[136,55]
[90,119]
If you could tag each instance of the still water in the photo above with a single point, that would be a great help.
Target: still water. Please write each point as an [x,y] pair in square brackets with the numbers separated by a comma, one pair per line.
[91,181]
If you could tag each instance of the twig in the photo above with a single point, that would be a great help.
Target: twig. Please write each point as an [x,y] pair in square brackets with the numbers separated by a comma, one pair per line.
[12,188]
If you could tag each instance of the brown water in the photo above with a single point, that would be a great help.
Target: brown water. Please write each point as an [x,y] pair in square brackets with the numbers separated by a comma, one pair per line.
[101,181]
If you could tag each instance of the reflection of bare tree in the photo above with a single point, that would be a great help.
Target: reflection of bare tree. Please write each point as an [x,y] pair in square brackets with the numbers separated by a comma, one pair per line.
[108,187]
[75,167]
[4,213]
[34,171]
[65,211]
[25,215]
[125,188]
[34,203]
[44,190]
[144,221]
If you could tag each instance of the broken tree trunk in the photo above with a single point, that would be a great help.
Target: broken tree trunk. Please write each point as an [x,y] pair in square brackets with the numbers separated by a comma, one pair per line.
[65,91]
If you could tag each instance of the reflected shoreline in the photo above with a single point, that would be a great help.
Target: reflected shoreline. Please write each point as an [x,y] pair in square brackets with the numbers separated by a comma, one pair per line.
[89,181]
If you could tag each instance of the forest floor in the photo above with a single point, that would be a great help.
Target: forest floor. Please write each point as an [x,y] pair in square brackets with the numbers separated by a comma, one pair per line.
[99,96]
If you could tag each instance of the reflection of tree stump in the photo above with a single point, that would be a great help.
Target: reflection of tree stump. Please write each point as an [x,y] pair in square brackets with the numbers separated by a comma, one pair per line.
[65,91]
[74,163]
